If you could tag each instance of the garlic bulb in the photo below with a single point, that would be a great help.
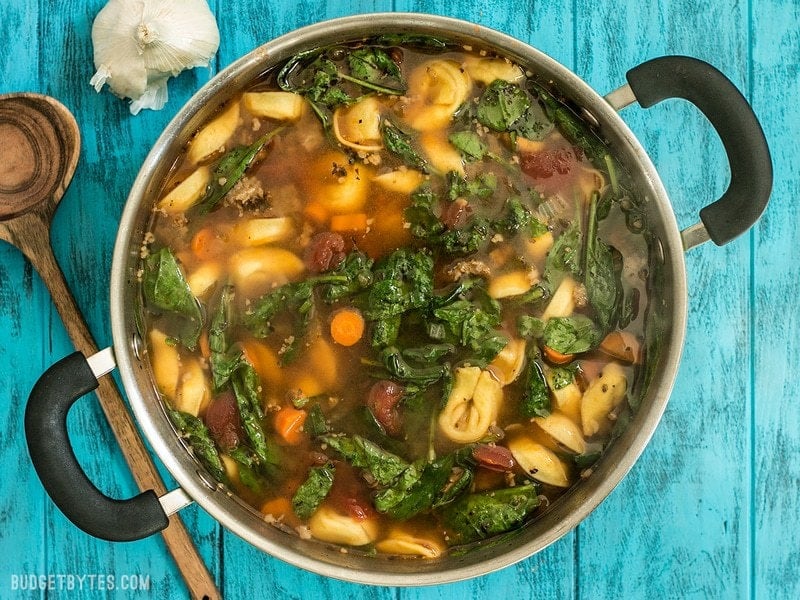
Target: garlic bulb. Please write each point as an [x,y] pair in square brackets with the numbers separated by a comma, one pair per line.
[140,44]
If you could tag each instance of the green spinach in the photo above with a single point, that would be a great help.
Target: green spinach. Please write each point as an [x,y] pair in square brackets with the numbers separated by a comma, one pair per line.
[384,466]
[400,143]
[199,438]
[477,516]
[313,490]
[230,169]
[165,287]
[571,335]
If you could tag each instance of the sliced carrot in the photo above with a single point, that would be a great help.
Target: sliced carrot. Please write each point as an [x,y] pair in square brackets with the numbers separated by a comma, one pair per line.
[205,348]
[281,509]
[622,345]
[350,223]
[556,357]
[205,244]
[347,326]
[289,424]
[316,212]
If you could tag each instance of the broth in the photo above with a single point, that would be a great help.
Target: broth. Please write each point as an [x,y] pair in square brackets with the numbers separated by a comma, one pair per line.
[394,296]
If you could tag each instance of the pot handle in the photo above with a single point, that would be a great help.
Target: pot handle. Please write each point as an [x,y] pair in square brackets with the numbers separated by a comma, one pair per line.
[734,120]
[62,476]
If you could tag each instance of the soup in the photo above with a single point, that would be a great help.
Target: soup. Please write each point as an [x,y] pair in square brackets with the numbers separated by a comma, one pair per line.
[394,296]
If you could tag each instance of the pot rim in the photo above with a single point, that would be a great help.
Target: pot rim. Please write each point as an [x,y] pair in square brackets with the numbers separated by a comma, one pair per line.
[129,348]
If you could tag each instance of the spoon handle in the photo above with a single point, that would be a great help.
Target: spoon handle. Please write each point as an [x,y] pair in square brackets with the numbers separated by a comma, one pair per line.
[30,233]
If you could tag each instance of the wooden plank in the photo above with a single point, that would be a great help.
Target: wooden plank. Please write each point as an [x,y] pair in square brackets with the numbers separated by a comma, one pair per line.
[23,326]
[776,319]
[678,524]
[114,145]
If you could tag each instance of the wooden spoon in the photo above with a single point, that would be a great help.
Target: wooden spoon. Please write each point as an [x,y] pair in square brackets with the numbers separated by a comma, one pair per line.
[38,155]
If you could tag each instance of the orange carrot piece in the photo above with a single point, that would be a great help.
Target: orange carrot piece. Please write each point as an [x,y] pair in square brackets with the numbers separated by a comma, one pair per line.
[205,244]
[289,424]
[556,357]
[347,326]
[205,348]
[316,212]
[350,223]
[281,509]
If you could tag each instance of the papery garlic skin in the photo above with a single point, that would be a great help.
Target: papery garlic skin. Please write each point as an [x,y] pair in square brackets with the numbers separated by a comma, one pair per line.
[140,44]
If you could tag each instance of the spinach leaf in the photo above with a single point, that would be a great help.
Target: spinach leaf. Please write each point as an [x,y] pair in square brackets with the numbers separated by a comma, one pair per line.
[425,223]
[230,169]
[313,490]
[316,425]
[516,218]
[469,144]
[429,353]
[400,143]
[464,240]
[564,257]
[294,298]
[480,515]
[473,326]
[384,466]
[373,65]
[350,277]
[402,281]
[482,186]
[249,466]
[561,377]
[571,335]
[319,79]
[602,286]
[415,490]
[401,370]
[535,400]
[199,438]
[530,327]
[223,359]
[165,287]
[246,387]
[501,104]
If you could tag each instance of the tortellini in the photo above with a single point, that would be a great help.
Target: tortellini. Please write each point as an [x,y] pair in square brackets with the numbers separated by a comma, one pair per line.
[280,106]
[441,154]
[183,382]
[486,70]
[257,268]
[400,541]
[472,406]
[563,430]
[562,304]
[338,186]
[509,284]
[260,231]
[402,181]
[509,361]
[539,462]
[604,394]
[436,90]
[186,193]
[359,126]
[330,526]
[212,138]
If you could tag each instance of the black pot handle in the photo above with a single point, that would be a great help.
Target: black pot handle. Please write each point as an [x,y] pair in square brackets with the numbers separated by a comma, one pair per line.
[738,128]
[62,476]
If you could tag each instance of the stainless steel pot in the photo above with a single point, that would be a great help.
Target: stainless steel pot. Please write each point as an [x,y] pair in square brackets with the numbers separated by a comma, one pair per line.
[649,83]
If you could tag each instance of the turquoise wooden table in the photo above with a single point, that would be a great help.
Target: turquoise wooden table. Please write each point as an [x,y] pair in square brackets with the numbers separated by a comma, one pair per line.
[709,511]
